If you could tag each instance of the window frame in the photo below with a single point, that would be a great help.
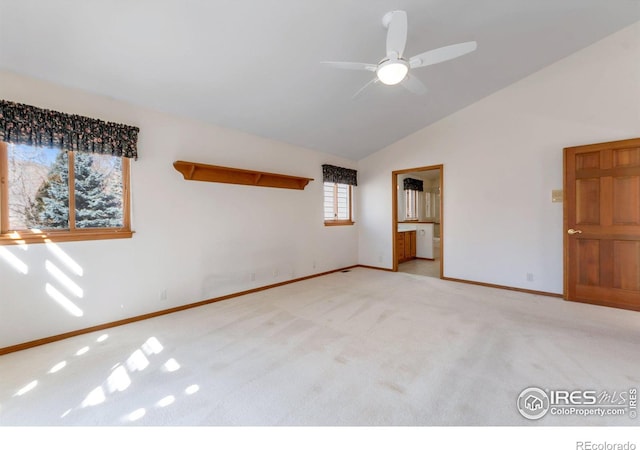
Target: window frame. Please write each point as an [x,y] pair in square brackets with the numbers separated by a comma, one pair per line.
[9,237]
[339,222]
[411,204]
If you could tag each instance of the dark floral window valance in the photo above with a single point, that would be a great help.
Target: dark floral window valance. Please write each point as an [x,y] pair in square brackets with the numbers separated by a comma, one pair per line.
[24,124]
[411,184]
[334,174]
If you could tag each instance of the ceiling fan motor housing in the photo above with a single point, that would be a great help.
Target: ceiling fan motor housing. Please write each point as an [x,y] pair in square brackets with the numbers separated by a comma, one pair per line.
[386,19]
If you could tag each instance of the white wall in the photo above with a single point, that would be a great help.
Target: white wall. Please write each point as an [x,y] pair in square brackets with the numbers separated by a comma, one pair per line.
[196,240]
[502,157]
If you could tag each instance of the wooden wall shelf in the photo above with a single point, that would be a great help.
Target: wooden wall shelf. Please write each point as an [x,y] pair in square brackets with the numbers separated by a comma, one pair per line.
[218,174]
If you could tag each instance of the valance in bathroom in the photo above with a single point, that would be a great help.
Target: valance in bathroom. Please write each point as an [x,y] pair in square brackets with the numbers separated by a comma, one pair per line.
[411,184]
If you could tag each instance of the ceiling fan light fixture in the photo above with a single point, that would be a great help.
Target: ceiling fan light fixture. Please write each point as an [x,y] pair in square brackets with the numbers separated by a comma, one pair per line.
[394,67]
[392,71]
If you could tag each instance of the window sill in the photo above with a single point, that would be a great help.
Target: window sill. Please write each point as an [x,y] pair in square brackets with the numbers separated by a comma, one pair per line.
[28,237]
[338,223]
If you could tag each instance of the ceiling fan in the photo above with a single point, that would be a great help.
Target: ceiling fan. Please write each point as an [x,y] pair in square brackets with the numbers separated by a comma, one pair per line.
[395,67]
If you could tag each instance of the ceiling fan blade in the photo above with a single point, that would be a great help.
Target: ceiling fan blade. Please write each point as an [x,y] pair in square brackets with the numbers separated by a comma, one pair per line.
[397,34]
[364,88]
[414,85]
[442,54]
[351,65]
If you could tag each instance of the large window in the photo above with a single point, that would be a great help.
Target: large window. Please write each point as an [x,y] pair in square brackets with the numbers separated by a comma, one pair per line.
[337,204]
[49,193]
[63,177]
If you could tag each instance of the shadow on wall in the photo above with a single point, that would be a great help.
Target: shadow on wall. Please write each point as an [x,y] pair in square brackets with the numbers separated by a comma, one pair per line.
[63,270]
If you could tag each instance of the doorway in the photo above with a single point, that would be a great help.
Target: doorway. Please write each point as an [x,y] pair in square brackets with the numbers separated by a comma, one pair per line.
[417,208]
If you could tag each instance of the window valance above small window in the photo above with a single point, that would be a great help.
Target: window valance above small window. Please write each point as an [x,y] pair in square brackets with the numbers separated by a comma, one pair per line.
[29,125]
[411,184]
[334,174]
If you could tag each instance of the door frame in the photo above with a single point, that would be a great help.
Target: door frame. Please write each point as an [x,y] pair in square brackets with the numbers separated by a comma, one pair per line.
[394,212]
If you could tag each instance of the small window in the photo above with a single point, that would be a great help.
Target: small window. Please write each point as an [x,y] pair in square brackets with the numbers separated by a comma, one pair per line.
[411,207]
[337,204]
[59,195]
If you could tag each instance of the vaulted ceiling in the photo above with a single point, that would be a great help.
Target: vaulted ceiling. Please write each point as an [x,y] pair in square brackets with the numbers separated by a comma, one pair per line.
[255,65]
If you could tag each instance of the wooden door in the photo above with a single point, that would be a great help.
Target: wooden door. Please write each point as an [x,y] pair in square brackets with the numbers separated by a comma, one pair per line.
[602,224]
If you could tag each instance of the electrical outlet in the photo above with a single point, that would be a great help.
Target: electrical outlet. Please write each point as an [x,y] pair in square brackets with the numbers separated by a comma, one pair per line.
[529,277]
[253,276]
[275,273]
[163,295]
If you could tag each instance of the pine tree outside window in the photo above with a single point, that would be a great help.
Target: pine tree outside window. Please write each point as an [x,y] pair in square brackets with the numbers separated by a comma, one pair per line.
[48,193]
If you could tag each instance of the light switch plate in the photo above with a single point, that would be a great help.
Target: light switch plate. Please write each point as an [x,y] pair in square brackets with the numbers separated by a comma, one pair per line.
[557,196]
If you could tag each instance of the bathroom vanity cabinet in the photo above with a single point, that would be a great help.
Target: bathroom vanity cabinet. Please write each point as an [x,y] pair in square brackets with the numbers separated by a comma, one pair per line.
[406,245]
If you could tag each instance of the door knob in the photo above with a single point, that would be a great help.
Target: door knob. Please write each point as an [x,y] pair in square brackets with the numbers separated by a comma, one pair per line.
[572,231]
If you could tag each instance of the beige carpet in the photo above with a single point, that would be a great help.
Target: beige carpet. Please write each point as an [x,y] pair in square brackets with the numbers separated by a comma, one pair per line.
[364,347]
